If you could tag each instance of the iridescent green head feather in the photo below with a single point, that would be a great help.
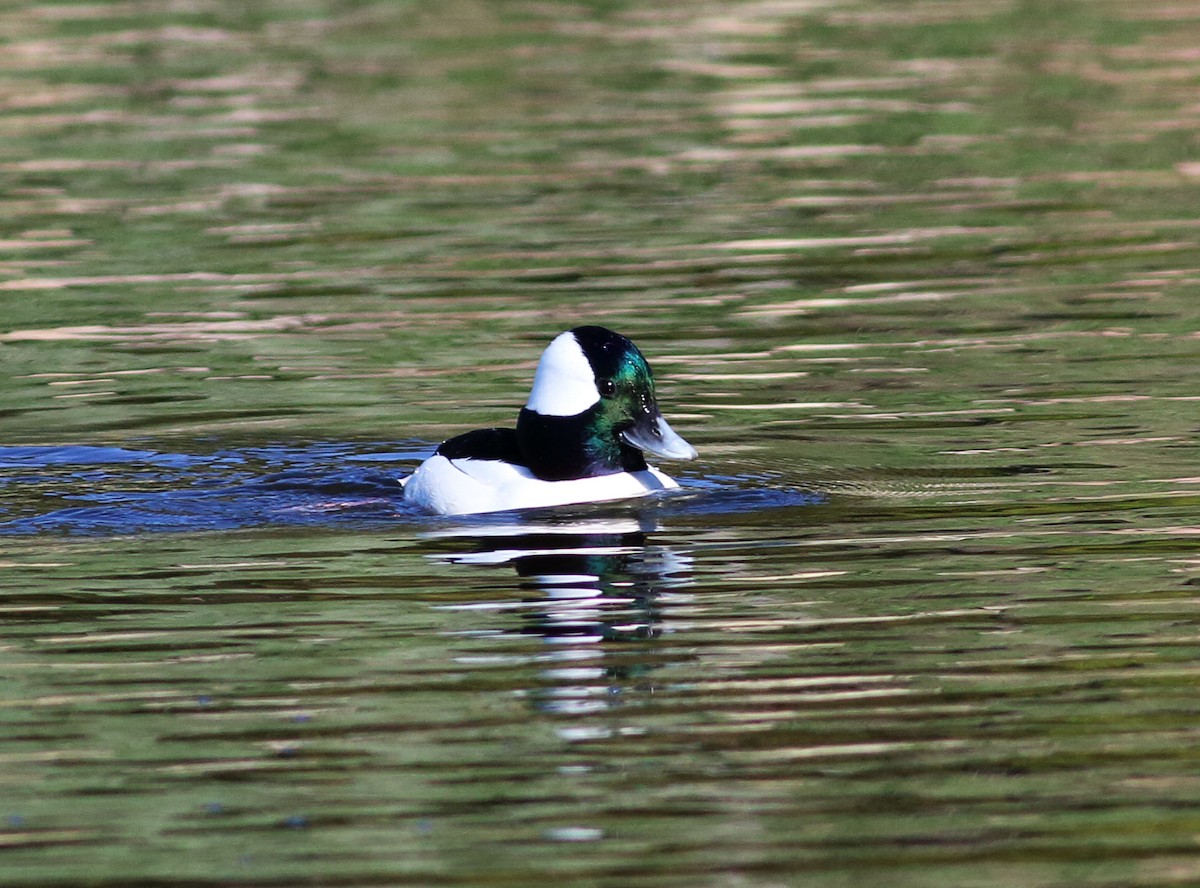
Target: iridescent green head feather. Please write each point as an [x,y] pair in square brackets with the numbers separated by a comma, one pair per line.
[592,410]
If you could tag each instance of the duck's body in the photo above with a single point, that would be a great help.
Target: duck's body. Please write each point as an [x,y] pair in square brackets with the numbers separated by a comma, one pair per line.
[579,438]
[467,486]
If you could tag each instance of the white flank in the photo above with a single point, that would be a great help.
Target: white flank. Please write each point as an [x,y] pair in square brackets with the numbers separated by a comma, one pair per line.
[470,486]
[564,384]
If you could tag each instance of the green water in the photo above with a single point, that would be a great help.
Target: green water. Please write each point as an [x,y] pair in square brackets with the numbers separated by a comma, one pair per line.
[918,279]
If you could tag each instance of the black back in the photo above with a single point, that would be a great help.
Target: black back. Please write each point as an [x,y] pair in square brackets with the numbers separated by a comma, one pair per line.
[500,444]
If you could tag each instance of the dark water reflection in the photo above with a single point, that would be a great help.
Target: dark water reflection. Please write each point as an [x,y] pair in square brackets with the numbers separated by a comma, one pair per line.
[595,592]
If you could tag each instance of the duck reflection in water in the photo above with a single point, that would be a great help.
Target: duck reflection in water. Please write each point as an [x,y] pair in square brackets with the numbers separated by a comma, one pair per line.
[595,592]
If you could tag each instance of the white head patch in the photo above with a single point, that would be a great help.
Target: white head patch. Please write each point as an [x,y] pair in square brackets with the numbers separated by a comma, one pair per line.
[564,383]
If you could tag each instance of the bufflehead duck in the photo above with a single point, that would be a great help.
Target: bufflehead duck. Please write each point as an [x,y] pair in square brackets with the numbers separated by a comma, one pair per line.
[579,438]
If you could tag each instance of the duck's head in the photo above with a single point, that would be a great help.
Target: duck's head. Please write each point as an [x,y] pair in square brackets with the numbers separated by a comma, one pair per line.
[595,386]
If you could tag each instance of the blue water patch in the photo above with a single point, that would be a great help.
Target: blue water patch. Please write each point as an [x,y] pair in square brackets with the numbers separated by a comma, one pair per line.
[80,455]
[732,500]
[82,490]
[113,491]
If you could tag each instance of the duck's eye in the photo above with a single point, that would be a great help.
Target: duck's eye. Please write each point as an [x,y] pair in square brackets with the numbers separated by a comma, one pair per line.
[607,388]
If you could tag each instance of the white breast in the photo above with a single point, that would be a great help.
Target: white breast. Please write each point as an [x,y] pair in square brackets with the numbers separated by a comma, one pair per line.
[470,486]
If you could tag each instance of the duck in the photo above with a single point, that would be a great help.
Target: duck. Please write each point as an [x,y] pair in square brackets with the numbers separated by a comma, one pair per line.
[582,437]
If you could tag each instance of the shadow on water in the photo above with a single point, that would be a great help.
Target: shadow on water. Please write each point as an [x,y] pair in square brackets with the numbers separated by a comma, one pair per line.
[84,490]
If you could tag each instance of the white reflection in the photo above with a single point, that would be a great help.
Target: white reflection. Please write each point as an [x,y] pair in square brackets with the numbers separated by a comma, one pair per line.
[592,589]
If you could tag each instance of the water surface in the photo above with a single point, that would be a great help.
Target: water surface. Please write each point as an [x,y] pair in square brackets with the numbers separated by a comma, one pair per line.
[918,279]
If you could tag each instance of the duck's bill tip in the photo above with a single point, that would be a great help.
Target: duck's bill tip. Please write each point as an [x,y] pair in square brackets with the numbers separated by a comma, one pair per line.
[685,451]
[659,439]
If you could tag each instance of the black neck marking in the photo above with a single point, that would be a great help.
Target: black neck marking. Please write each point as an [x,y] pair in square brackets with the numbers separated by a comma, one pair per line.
[564,448]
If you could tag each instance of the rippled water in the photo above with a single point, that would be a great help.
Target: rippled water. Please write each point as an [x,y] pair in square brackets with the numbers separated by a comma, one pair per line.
[919,279]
